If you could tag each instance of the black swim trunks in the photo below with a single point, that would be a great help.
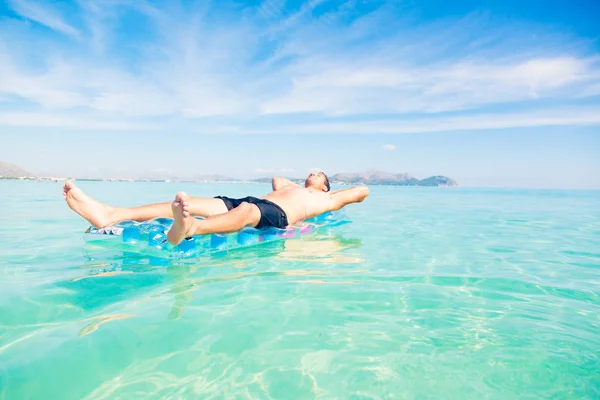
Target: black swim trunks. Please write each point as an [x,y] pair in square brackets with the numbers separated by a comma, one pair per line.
[271,215]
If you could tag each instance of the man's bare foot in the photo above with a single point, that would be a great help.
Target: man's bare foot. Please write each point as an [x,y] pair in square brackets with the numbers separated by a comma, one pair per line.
[183,221]
[97,214]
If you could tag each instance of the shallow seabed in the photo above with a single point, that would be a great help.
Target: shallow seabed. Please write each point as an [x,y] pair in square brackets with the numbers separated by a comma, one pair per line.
[446,293]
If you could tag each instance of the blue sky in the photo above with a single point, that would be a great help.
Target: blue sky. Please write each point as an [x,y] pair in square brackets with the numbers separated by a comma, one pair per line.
[490,93]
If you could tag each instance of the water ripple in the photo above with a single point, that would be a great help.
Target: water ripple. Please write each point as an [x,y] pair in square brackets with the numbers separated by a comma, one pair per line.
[428,294]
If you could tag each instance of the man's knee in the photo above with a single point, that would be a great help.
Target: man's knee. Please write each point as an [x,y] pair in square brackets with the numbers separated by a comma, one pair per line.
[245,207]
[250,211]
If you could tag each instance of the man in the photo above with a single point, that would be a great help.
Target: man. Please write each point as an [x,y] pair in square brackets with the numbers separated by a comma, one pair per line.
[287,204]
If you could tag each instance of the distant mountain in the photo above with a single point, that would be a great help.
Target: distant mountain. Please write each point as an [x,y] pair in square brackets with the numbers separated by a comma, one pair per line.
[370,177]
[374,177]
[438,181]
[12,171]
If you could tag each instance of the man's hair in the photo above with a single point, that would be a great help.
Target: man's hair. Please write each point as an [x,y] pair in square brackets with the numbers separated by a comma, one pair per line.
[326,181]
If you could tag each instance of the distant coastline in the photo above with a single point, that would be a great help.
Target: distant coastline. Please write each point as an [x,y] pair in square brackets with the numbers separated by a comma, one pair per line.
[370,177]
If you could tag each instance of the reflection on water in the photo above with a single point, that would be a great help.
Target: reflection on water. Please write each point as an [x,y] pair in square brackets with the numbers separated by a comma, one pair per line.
[186,276]
[97,321]
[104,274]
[322,249]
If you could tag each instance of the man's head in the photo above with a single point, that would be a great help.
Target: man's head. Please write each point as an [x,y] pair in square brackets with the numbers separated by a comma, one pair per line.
[317,180]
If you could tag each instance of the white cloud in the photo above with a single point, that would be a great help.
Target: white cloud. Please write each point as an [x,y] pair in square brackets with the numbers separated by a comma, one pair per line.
[389,147]
[565,116]
[448,86]
[583,115]
[198,68]
[44,15]
[271,8]
[80,122]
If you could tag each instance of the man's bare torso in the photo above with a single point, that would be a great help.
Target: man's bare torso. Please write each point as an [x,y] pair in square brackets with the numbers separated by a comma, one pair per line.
[300,203]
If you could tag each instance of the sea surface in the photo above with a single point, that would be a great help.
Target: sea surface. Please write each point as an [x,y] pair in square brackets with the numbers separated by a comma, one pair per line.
[430,293]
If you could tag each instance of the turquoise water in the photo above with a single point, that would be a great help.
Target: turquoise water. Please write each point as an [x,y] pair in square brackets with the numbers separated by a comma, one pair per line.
[428,293]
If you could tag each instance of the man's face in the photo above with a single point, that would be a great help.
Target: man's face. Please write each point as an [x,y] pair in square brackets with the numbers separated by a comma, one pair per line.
[316,180]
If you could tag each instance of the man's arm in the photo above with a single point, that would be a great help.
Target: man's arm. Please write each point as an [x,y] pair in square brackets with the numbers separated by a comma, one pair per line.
[279,182]
[344,190]
[349,195]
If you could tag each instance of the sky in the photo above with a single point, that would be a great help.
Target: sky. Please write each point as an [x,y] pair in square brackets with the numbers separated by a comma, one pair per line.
[489,93]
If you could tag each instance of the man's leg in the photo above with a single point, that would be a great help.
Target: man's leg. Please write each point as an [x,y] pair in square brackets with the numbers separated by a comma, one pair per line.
[101,215]
[185,225]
